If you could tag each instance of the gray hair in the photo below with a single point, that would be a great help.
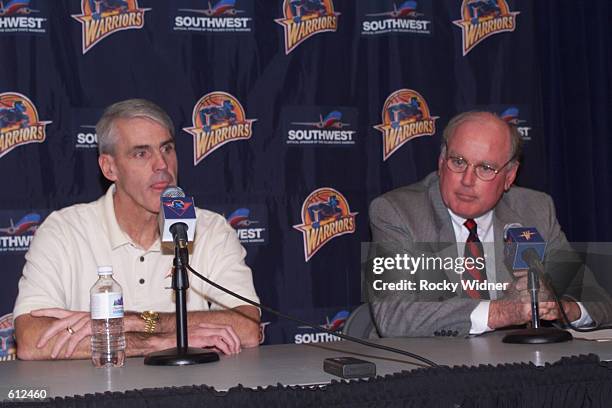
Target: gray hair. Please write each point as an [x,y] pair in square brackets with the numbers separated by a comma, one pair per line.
[128,109]
[516,141]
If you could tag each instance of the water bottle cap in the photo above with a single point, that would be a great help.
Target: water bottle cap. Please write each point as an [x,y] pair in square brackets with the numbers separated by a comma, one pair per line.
[105,270]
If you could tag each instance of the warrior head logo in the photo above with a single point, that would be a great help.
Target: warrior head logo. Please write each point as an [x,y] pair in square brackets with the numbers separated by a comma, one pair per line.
[305,18]
[483,18]
[19,123]
[325,215]
[405,116]
[8,349]
[101,18]
[218,118]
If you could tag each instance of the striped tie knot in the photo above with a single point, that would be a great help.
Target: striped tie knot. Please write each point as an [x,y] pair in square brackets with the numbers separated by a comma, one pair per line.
[474,250]
[470,224]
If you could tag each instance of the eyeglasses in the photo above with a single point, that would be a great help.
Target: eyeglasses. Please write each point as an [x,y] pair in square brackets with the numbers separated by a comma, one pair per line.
[458,164]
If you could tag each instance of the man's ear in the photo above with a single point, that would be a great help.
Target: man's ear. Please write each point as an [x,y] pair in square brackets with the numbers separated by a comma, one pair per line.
[511,176]
[441,160]
[107,165]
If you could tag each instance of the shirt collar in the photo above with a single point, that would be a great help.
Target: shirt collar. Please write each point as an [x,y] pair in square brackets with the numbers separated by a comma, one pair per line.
[117,236]
[484,223]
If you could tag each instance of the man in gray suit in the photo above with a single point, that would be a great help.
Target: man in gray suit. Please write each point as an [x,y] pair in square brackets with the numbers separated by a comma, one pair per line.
[470,199]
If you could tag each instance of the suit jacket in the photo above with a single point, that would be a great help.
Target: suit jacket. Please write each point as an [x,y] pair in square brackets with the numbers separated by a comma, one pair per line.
[416,214]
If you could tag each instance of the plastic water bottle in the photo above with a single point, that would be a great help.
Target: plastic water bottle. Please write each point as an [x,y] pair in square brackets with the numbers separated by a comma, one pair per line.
[106,305]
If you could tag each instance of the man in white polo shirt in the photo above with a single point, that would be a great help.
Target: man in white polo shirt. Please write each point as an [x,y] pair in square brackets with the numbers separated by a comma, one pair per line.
[137,153]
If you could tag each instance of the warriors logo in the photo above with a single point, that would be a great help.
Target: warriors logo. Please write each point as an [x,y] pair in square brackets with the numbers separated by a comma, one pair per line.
[325,215]
[19,124]
[218,118]
[405,116]
[8,349]
[101,18]
[305,18]
[483,18]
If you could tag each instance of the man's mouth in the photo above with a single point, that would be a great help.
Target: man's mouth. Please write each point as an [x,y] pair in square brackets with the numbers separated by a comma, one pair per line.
[466,197]
[160,185]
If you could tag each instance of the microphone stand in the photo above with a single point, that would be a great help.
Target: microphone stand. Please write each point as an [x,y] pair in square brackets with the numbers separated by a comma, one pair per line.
[536,334]
[182,354]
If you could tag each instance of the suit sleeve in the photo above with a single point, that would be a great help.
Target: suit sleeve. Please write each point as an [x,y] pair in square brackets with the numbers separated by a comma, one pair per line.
[569,274]
[414,313]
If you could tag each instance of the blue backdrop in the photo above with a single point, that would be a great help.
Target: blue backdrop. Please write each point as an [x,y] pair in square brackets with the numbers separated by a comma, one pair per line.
[291,116]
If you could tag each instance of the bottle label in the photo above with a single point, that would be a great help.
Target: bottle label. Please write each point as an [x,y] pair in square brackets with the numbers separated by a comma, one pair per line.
[107,305]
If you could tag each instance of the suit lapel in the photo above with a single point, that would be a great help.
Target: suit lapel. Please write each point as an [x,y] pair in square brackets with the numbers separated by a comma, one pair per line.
[444,229]
[444,226]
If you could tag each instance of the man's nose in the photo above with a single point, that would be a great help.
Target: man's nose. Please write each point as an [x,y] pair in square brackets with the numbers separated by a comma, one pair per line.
[469,176]
[160,162]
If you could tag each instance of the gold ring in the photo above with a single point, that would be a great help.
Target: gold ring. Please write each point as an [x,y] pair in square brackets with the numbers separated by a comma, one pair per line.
[70,330]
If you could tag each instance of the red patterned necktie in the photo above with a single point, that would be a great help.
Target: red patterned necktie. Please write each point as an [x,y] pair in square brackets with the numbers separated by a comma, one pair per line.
[473,250]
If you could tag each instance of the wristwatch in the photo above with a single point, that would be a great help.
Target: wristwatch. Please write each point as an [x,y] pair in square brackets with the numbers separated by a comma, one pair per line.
[151,319]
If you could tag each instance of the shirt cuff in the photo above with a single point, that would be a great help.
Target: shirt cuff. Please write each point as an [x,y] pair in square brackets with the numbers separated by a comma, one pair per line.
[480,318]
[584,319]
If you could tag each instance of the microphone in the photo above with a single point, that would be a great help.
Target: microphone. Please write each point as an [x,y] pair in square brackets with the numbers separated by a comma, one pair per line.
[524,247]
[177,218]
[525,250]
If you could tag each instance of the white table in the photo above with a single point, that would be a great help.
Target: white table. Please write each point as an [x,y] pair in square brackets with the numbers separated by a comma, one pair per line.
[288,364]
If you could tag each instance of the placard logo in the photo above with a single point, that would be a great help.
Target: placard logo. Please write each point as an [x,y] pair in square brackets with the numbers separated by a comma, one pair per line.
[101,18]
[19,123]
[15,8]
[481,19]
[218,118]
[83,128]
[222,16]
[336,323]
[18,236]
[305,18]
[249,230]
[512,116]
[15,17]
[178,206]
[328,130]
[404,16]
[86,137]
[325,215]
[405,116]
